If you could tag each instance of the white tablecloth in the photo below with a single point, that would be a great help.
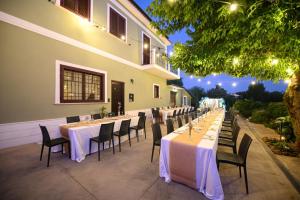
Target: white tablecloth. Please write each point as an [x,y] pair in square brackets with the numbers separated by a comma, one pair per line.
[169,112]
[80,137]
[207,176]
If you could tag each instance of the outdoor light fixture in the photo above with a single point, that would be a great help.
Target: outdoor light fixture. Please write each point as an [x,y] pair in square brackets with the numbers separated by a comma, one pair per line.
[275,61]
[233,7]
[146,46]
[208,82]
[123,37]
[233,84]
[253,82]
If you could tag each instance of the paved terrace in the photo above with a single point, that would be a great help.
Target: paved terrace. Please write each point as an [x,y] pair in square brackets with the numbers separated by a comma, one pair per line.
[129,175]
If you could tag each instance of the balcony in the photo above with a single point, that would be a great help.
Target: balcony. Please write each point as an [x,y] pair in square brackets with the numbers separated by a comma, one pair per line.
[159,66]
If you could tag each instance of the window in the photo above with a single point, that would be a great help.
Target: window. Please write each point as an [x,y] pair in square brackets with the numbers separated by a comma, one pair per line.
[156,91]
[146,49]
[80,7]
[79,85]
[117,24]
[184,103]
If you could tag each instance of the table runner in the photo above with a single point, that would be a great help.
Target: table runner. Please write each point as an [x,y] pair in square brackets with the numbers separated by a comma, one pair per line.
[183,149]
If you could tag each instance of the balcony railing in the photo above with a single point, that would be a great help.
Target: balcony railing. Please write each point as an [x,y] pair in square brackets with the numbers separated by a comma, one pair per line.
[160,60]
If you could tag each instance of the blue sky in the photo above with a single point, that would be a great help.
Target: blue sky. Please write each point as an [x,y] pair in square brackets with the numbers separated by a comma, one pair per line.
[226,81]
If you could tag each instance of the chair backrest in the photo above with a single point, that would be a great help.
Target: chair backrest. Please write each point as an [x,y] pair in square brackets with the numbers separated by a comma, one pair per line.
[73,119]
[187,111]
[179,120]
[179,112]
[194,115]
[124,128]
[157,108]
[141,122]
[111,114]
[45,133]
[244,147]
[170,126]
[141,114]
[174,113]
[186,118]
[235,133]
[156,132]
[96,116]
[106,131]
[155,114]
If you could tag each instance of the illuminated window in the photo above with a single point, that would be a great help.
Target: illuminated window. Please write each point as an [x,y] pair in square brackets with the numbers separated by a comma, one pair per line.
[79,7]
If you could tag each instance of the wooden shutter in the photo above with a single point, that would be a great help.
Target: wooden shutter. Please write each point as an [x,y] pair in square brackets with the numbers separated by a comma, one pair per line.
[83,8]
[121,26]
[146,51]
[113,28]
[68,4]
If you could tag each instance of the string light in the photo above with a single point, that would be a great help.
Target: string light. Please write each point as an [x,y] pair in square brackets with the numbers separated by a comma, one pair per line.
[171,53]
[289,71]
[233,7]
[199,79]
[235,61]
[146,46]
[123,37]
[191,77]
[214,74]
[253,82]
[287,81]
[220,84]
[234,84]
[208,82]
[275,61]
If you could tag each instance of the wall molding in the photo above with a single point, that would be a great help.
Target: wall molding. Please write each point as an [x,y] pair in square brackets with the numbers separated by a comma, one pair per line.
[10,19]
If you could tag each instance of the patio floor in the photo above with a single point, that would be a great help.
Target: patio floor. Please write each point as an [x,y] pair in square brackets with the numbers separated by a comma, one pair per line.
[129,175]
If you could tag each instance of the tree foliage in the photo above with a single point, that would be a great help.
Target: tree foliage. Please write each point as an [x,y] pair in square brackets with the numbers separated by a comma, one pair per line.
[261,38]
[197,93]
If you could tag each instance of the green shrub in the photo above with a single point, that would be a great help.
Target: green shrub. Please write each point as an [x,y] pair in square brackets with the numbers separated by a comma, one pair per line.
[276,110]
[245,107]
[259,116]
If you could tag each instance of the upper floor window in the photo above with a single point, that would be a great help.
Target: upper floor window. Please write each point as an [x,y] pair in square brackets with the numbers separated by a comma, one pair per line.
[146,49]
[79,86]
[117,24]
[156,92]
[185,101]
[80,7]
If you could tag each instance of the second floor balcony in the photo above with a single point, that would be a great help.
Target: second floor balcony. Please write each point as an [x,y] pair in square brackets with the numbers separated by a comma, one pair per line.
[160,66]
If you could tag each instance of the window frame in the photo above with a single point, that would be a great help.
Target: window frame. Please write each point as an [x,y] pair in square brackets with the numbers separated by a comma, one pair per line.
[82,69]
[156,85]
[90,9]
[184,101]
[109,6]
[143,33]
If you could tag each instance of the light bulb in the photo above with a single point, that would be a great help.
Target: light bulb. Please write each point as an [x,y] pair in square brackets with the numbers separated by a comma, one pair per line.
[234,84]
[233,7]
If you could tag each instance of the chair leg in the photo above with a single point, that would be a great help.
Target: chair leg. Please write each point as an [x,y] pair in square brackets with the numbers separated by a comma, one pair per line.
[109,144]
[42,150]
[103,145]
[145,133]
[49,153]
[246,179]
[129,139]
[98,151]
[113,145]
[62,148]
[90,147]
[234,149]
[240,171]
[137,134]
[69,146]
[152,153]
[119,143]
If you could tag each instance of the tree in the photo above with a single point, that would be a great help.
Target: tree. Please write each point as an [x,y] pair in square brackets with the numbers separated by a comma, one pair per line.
[252,37]
[257,92]
[197,93]
[217,92]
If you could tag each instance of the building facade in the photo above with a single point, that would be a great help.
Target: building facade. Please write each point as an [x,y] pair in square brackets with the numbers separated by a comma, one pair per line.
[70,57]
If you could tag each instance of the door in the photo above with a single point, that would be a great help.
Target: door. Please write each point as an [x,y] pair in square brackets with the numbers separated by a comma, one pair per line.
[172,98]
[117,97]
[146,50]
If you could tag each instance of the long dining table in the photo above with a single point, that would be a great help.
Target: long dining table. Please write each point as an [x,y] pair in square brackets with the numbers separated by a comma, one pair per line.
[188,155]
[79,133]
[169,112]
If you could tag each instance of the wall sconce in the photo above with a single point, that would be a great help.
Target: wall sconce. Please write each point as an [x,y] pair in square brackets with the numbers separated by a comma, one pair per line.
[131,81]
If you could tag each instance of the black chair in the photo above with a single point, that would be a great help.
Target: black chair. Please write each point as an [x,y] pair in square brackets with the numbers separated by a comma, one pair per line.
[50,143]
[105,134]
[111,114]
[124,130]
[226,132]
[96,116]
[194,115]
[231,143]
[170,126]
[73,119]
[186,118]
[173,116]
[156,116]
[237,159]
[179,121]
[140,114]
[140,126]
[179,113]
[156,137]
[187,111]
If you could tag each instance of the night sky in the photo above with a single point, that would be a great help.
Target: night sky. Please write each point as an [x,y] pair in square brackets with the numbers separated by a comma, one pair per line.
[225,80]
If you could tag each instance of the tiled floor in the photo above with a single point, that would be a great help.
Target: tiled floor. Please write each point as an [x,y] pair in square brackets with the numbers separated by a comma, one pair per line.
[128,175]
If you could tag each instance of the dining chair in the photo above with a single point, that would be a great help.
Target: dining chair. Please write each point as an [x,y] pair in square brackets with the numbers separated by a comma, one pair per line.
[179,112]
[96,116]
[47,141]
[194,115]
[179,121]
[73,119]
[170,126]
[230,142]
[156,116]
[156,137]
[226,132]
[239,159]
[173,115]
[124,130]
[141,114]
[186,118]
[111,114]
[140,126]
[105,134]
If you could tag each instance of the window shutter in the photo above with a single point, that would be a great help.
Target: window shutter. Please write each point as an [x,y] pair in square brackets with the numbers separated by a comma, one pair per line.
[69,4]
[121,26]
[146,51]
[83,8]
[113,22]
